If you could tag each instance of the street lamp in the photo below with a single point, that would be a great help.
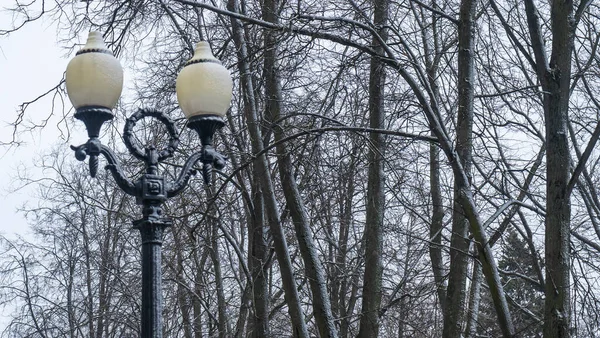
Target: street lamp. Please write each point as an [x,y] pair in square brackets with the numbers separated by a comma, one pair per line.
[94,80]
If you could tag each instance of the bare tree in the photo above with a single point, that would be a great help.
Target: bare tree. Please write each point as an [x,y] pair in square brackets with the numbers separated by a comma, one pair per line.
[341,175]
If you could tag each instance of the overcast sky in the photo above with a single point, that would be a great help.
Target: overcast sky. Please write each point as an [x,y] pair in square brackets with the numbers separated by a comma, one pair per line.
[30,63]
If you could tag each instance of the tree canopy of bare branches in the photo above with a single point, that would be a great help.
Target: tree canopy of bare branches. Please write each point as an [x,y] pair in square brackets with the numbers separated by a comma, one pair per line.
[400,168]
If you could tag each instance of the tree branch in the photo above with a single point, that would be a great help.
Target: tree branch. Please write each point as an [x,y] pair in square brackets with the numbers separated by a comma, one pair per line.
[435,11]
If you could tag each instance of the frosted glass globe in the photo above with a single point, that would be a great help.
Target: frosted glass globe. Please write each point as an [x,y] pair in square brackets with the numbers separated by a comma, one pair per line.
[204,86]
[94,76]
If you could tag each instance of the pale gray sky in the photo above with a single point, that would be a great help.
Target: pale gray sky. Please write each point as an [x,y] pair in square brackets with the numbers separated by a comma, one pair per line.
[30,63]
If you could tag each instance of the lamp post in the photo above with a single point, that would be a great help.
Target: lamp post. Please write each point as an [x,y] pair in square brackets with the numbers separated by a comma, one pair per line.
[94,80]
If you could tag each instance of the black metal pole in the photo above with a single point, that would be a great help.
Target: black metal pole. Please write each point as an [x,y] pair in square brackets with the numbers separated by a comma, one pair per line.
[151,195]
[152,236]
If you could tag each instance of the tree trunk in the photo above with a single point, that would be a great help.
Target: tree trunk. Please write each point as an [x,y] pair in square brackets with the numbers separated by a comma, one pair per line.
[430,33]
[474,299]
[295,204]
[437,224]
[88,275]
[264,175]
[223,325]
[373,235]
[243,313]
[182,291]
[339,279]
[70,306]
[558,204]
[555,78]
[454,315]
[197,294]
[258,256]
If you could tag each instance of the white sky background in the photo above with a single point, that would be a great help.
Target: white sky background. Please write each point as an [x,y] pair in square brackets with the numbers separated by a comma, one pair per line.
[31,62]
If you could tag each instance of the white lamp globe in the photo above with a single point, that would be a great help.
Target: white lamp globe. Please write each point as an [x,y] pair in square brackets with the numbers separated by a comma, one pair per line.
[204,86]
[94,76]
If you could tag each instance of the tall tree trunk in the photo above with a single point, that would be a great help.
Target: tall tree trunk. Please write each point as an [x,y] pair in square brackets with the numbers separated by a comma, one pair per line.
[197,294]
[454,315]
[347,307]
[240,324]
[437,224]
[257,258]
[255,299]
[339,285]
[555,78]
[264,175]
[403,316]
[223,325]
[474,300]
[373,235]
[70,306]
[88,274]
[558,204]
[104,272]
[182,291]
[295,204]
[430,35]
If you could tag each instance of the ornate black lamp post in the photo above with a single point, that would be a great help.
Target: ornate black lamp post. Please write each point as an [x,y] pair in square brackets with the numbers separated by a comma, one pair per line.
[94,82]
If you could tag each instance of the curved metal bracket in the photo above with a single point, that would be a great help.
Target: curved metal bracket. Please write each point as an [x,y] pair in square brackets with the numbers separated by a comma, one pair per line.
[209,157]
[173,189]
[93,148]
[206,126]
[116,170]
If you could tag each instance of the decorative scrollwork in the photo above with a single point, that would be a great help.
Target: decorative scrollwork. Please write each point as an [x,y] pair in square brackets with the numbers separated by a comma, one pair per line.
[93,164]
[184,176]
[211,158]
[117,172]
[93,117]
[80,151]
[151,190]
[93,148]
[136,149]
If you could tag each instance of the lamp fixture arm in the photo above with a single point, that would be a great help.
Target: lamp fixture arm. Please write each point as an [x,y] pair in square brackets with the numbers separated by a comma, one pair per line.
[186,173]
[209,157]
[93,148]
[117,171]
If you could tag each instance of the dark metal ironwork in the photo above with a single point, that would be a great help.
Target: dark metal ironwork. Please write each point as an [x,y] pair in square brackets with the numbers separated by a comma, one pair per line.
[206,126]
[151,190]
